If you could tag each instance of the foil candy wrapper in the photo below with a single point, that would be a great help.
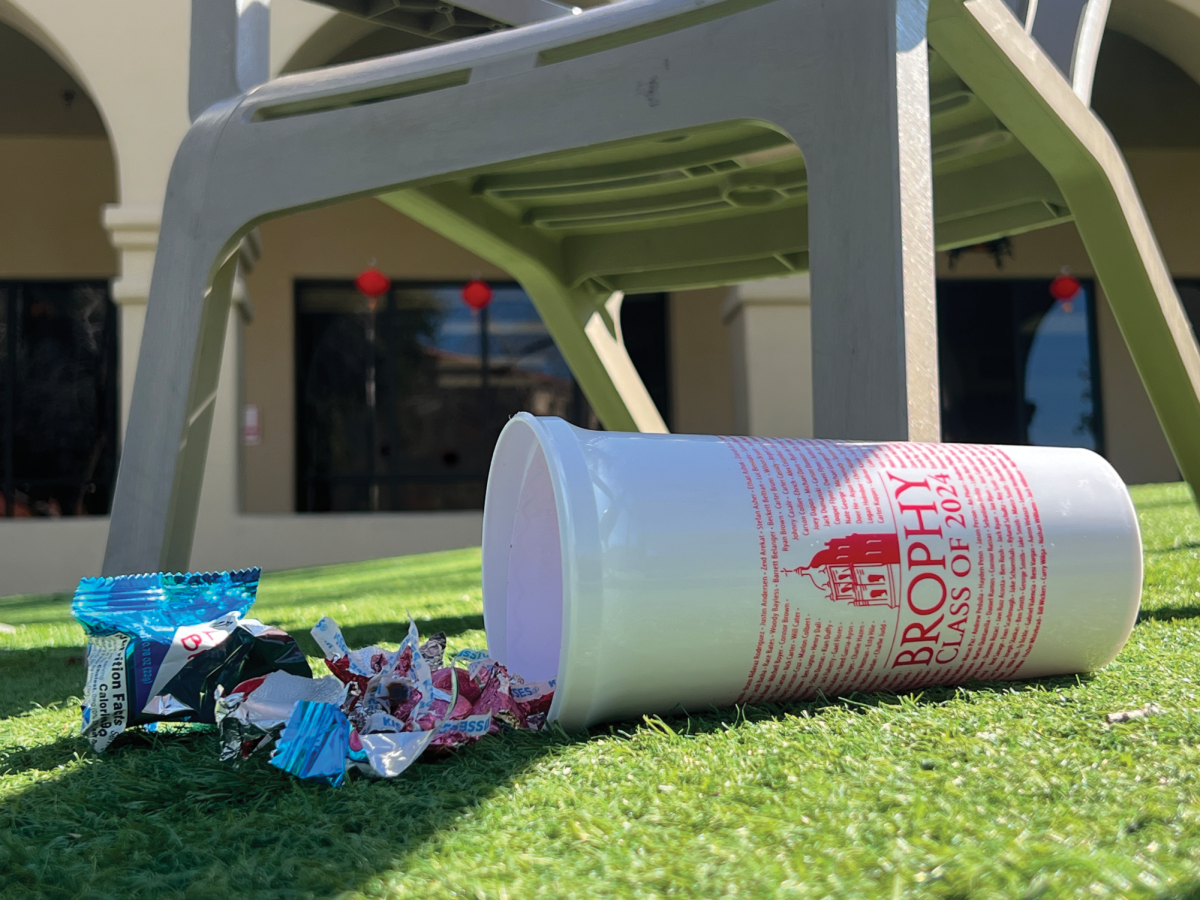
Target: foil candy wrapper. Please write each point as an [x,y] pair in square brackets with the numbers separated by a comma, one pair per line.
[393,706]
[250,717]
[389,754]
[162,646]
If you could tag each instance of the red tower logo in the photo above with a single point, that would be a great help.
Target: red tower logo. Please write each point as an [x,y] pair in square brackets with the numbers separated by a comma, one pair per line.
[862,569]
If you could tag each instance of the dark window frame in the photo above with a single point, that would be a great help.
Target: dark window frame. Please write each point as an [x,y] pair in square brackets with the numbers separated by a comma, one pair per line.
[645,323]
[1019,294]
[45,493]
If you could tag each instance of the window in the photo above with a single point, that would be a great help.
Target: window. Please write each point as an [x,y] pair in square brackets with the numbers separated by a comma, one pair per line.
[399,407]
[1017,367]
[58,398]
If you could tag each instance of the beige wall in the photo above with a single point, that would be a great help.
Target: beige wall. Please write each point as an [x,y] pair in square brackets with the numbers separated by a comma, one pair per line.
[1133,440]
[131,60]
[701,389]
[294,24]
[53,189]
[770,338]
[334,242]
[1169,182]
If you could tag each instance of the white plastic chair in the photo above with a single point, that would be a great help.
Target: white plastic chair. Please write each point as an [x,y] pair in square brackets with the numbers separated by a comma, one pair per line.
[647,145]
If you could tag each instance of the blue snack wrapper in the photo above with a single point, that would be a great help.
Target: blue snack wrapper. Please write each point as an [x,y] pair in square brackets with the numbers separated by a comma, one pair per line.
[160,645]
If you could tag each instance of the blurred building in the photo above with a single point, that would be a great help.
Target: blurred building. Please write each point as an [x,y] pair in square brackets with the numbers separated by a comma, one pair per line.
[348,429]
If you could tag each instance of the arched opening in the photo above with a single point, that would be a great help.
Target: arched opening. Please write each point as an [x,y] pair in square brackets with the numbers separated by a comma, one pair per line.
[58,325]
[1143,97]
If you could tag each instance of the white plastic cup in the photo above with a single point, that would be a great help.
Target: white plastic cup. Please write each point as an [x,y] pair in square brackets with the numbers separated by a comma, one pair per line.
[671,573]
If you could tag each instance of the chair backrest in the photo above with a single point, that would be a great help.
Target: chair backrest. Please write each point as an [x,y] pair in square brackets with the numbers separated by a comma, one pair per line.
[230,50]
[230,39]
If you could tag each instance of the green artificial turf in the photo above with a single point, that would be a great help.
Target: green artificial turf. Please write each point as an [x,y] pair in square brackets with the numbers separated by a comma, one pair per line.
[1001,790]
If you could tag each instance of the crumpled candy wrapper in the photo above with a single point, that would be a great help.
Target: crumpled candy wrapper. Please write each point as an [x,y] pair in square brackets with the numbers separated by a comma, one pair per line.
[251,716]
[162,647]
[388,707]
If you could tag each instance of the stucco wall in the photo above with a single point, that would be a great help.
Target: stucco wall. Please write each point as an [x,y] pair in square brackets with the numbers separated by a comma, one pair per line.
[701,388]
[53,189]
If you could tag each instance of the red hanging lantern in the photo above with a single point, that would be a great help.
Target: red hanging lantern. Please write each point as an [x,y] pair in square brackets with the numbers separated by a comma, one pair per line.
[1064,288]
[372,283]
[477,294]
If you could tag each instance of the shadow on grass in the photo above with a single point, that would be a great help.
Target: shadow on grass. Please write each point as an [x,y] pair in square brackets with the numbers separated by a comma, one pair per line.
[700,722]
[1182,892]
[394,632]
[1168,613]
[40,677]
[41,757]
[25,611]
[1174,548]
[1166,503]
[159,815]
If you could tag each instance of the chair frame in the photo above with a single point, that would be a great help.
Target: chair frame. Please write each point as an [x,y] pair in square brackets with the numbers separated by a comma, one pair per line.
[847,81]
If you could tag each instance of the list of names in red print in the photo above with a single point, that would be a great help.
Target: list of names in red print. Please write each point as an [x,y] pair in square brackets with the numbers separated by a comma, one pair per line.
[889,567]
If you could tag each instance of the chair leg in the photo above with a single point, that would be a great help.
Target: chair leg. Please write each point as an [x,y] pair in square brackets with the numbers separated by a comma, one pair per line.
[992,54]
[154,510]
[596,354]
[193,453]
[874,319]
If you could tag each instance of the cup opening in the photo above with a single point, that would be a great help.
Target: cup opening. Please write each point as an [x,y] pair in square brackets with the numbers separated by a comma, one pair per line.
[522,557]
